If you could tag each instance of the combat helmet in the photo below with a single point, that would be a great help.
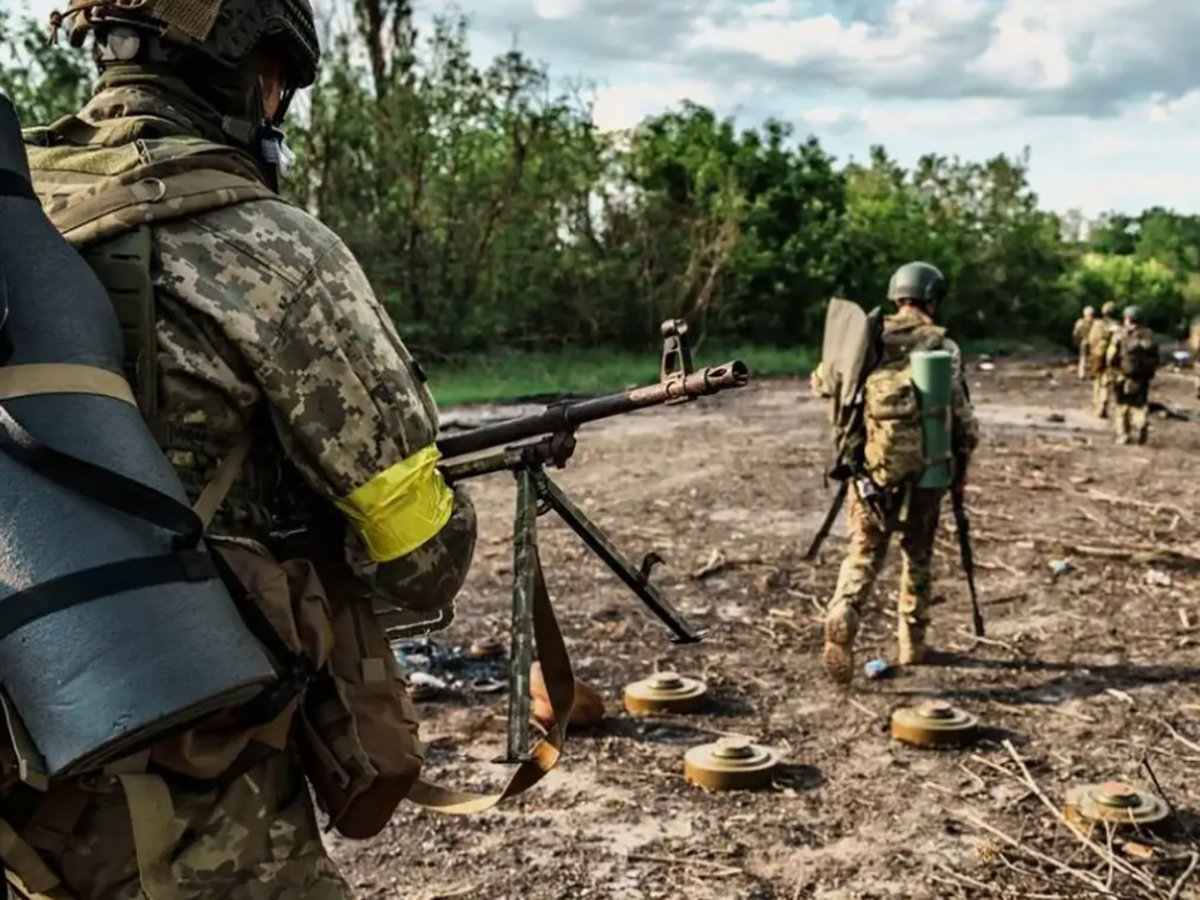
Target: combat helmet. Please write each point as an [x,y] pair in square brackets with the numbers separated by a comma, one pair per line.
[1108,310]
[917,281]
[1133,314]
[216,48]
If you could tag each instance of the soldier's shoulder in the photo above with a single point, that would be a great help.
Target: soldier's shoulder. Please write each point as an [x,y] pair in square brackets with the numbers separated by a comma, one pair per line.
[270,236]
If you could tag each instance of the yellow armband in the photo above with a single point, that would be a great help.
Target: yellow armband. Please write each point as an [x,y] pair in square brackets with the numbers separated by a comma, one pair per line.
[402,507]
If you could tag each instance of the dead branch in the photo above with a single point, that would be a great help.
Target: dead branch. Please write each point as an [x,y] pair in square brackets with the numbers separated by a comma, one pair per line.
[1105,855]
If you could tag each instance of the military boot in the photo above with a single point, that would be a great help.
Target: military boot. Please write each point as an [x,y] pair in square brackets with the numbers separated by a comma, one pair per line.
[911,637]
[841,626]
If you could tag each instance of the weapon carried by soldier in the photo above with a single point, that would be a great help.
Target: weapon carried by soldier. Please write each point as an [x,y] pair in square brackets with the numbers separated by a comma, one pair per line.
[963,526]
[537,493]
[850,353]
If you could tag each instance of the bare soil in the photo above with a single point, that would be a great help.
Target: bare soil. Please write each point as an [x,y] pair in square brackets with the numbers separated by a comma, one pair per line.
[1089,674]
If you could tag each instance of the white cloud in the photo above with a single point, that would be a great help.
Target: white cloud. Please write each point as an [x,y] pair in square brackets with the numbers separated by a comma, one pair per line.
[559,9]
[1106,93]
[619,108]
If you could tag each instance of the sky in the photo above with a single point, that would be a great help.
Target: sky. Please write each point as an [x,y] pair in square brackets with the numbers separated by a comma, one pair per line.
[1105,93]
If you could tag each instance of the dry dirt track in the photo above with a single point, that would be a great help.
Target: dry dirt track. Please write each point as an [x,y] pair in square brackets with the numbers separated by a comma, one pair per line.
[1086,674]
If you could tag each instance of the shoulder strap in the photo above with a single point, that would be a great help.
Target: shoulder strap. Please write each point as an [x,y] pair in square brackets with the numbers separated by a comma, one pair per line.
[125,205]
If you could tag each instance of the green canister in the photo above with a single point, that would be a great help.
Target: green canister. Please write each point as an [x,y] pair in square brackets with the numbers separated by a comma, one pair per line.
[931,376]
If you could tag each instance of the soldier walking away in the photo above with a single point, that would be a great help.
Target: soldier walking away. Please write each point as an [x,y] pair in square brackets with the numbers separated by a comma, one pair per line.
[1079,337]
[264,328]
[1098,338]
[885,497]
[1193,345]
[1133,360]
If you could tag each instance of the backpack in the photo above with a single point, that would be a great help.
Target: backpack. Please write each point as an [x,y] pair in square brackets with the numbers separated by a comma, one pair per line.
[894,448]
[1139,356]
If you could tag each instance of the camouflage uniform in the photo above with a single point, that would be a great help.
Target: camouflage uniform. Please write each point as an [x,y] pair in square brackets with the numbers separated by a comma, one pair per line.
[1098,338]
[1131,395]
[913,513]
[1193,345]
[1079,336]
[264,321]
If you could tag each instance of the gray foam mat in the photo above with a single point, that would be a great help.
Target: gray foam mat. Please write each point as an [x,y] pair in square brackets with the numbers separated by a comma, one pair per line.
[105,677]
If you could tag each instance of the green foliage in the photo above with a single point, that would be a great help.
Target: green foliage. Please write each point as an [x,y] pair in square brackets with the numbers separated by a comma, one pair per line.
[44,81]
[495,221]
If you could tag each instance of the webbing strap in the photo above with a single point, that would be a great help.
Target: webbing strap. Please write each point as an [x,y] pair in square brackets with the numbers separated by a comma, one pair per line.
[157,191]
[23,862]
[152,815]
[218,488]
[560,686]
[100,484]
[62,378]
[75,588]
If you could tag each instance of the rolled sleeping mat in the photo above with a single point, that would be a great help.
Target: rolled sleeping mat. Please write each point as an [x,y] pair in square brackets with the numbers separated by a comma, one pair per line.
[931,376]
[115,631]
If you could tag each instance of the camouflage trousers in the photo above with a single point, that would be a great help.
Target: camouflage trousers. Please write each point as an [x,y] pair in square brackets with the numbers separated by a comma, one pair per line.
[1132,402]
[1085,363]
[1101,394]
[870,535]
[257,839]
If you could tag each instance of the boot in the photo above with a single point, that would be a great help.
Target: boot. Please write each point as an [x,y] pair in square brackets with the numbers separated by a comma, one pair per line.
[841,626]
[911,637]
[1143,436]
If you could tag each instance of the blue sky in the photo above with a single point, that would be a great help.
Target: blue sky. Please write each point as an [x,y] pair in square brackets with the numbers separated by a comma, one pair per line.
[1106,93]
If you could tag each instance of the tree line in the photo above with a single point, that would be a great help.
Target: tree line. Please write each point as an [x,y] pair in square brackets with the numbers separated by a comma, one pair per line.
[489,212]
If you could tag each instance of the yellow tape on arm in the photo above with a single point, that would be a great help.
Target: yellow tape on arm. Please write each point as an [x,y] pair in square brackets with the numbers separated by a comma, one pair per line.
[401,508]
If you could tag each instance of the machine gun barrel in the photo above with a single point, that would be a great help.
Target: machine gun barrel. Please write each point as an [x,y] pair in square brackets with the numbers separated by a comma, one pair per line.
[675,387]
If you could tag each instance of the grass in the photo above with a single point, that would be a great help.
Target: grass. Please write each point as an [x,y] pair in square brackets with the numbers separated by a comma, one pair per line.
[513,375]
[518,375]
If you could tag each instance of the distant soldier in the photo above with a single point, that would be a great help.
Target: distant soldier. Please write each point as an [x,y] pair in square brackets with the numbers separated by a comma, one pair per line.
[1098,338]
[1193,345]
[1133,360]
[1079,338]
[884,496]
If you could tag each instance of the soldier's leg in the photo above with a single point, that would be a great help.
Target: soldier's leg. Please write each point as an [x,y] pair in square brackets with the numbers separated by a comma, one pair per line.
[1100,396]
[916,579]
[1121,419]
[1140,420]
[864,559]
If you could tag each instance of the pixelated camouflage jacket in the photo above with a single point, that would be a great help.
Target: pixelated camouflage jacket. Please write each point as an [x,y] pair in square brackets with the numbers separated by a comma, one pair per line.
[264,316]
[910,329]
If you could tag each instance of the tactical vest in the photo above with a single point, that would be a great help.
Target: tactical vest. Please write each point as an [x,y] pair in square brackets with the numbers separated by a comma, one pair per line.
[104,190]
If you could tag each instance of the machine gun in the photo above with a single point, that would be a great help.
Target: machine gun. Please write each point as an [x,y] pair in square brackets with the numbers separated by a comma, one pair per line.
[550,437]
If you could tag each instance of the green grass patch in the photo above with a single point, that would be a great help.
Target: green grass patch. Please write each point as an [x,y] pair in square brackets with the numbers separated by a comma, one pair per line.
[511,375]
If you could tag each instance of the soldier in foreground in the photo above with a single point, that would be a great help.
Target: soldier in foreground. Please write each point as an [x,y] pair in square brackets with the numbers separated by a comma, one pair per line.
[1079,336]
[249,320]
[884,498]
[1098,338]
[1133,361]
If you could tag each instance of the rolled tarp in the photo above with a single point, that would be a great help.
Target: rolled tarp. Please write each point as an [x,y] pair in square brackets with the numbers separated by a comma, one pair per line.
[115,631]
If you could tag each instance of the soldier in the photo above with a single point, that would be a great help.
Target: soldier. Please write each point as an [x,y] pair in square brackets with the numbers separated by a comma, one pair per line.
[1133,360]
[1098,338]
[1079,337]
[875,513]
[260,321]
[1193,345]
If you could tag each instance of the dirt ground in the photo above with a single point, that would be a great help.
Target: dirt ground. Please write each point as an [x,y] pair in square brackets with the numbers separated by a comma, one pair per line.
[1088,674]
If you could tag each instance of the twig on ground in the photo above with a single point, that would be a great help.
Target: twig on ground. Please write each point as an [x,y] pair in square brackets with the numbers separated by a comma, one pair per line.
[1179,883]
[1107,856]
[1093,883]
[716,869]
